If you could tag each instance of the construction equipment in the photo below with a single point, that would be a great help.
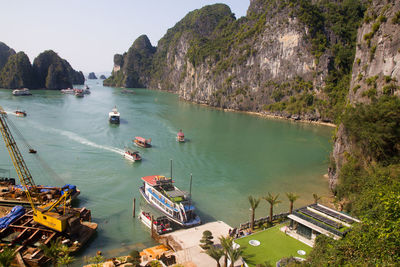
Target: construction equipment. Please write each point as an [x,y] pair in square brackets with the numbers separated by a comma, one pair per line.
[42,214]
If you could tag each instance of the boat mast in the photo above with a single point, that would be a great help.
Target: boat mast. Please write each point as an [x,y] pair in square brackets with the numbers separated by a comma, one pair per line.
[171,169]
[190,191]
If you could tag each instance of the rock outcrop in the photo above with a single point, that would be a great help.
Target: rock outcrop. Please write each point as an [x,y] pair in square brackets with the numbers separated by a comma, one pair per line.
[48,71]
[53,72]
[279,59]
[103,77]
[17,72]
[376,70]
[92,76]
[133,68]
[5,53]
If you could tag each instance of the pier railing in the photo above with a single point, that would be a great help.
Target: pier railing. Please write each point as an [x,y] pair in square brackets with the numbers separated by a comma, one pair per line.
[263,220]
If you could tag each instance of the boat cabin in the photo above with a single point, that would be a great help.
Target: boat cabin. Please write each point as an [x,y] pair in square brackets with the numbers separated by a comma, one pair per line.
[142,142]
[132,155]
[20,113]
[113,116]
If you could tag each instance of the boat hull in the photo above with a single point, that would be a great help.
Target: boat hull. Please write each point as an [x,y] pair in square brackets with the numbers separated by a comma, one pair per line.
[132,158]
[191,223]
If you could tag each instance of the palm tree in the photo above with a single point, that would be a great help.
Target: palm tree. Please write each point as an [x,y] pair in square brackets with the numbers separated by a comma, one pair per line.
[292,198]
[215,253]
[7,256]
[226,243]
[235,254]
[316,198]
[57,252]
[272,200]
[253,205]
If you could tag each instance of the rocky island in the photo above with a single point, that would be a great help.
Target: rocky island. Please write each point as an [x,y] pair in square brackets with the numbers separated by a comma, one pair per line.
[48,71]
[92,76]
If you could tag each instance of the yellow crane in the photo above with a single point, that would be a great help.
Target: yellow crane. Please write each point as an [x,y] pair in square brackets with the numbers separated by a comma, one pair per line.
[49,214]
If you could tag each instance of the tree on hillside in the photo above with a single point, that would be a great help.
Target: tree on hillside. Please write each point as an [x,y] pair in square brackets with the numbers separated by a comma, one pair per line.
[253,205]
[292,198]
[272,200]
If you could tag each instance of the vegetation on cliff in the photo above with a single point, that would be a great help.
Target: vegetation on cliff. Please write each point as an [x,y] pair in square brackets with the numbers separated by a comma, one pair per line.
[17,72]
[48,70]
[53,72]
[369,187]
[134,67]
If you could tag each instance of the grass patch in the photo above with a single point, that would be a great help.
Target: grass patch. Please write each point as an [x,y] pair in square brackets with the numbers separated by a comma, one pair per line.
[274,246]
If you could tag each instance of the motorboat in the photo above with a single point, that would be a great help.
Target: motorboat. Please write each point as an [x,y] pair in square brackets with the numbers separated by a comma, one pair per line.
[113,116]
[20,113]
[79,93]
[86,90]
[142,142]
[180,137]
[23,91]
[161,225]
[176,204]
[132,155]
[68,91]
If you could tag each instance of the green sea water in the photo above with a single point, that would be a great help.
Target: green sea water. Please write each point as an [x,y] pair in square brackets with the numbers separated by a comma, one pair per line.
[231,156]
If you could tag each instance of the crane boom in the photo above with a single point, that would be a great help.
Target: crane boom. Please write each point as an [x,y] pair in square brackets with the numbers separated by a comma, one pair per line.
[43,214]
[23,172]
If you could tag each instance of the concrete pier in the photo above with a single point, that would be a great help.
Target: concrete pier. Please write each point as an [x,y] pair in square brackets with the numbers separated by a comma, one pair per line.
[186,243]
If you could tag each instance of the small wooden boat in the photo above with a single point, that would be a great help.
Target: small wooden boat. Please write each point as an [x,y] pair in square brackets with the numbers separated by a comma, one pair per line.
[142,142]
[32,151]
[180,137]
[79,93]
[132,155]
[20,113]
[161,225]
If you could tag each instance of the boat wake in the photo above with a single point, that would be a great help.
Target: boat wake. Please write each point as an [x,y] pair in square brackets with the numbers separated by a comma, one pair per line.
[77,138]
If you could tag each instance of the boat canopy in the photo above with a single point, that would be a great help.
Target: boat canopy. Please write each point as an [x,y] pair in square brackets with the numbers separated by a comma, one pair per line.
[131,151]
[141,139]
[180,134]
[156,180]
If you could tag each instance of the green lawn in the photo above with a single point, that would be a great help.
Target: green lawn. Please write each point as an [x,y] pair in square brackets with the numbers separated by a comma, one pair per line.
[274,246]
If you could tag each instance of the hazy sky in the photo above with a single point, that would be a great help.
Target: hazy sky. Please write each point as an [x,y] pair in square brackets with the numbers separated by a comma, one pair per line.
[87,33]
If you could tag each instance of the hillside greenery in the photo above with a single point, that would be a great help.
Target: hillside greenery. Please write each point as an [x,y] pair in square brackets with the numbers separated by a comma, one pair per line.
[369,187]
[17,72]
[341,19]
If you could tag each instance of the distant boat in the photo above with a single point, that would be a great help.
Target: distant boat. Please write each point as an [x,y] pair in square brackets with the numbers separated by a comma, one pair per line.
[20,113]
[79,93]
[19,92]
[180,137]
[161,224]
[113,116]
[132,155]
[86,90]
[68,91]
[142,142]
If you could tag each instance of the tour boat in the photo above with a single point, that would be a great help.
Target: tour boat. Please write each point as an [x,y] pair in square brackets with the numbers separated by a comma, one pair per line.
[180,137]
[113,116]
[79,93]
[142,142]
[161,224]
[68,91]
[132,155]
[23,91]
[20,113]
[160,192]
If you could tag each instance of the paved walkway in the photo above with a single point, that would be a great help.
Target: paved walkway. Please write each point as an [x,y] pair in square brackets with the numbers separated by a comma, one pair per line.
[190,253]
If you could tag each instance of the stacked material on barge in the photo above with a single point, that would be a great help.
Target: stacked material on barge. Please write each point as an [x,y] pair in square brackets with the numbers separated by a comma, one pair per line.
[25,236]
